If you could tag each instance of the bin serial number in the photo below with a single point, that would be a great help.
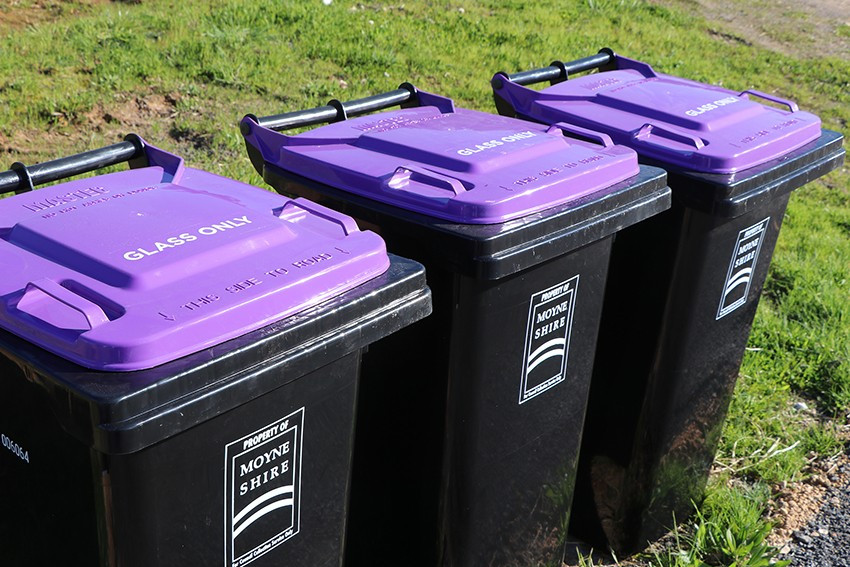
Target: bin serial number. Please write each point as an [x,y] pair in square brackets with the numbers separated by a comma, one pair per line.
[15,448]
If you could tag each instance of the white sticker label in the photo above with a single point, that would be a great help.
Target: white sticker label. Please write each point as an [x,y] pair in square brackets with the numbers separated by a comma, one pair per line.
[547,338]
[741,268]
[262,482]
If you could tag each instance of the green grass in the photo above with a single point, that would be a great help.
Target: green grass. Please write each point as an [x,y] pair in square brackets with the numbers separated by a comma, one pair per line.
[68,80]
[728,530]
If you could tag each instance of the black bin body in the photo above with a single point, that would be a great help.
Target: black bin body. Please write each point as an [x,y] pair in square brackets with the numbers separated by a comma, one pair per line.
[683,286]
[462,463]
[129,468]
[496,450]
[656,409]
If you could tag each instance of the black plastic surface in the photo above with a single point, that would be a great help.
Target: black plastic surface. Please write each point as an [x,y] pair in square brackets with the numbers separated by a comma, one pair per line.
[510,468]
[493,478]
[168,500]
[336,110]
[165,505]
[560,71]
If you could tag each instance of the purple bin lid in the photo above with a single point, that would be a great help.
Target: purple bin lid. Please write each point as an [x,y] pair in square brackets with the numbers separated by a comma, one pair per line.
[129,270]
[459,165]
[675,121]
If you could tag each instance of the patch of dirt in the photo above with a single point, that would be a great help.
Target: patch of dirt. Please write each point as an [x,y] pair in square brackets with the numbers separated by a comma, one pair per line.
[191,138]
[35,145]
[109,122]
[134,111]
[802,28]
[16,14]
[797,504]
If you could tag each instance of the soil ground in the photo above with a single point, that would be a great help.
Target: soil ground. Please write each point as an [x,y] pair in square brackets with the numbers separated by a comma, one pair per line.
[23,13]
[803,28]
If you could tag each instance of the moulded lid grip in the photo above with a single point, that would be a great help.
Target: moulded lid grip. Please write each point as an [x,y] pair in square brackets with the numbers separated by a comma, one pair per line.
[792,106]
[348,224]
[648,131]
[403,174]
[587,134]
[60,298]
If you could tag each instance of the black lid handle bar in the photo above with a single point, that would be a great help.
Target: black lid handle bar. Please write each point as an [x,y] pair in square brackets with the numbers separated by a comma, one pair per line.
[21,178]
[559,71]
[336,111]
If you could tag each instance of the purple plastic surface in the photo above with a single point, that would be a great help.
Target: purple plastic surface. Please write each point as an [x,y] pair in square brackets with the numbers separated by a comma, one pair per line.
[678,122]
[459,165]
[132,269]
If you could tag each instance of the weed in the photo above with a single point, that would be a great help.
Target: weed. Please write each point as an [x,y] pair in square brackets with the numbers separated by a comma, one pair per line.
[822,439]
[727,530]
[585,560]
[605,5]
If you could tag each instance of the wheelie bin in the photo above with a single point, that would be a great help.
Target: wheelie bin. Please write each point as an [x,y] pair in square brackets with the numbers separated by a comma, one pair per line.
[683,286]
[472,464]
[179,358]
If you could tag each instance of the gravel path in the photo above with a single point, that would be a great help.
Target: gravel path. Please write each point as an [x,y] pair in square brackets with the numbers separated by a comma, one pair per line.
[825,540]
